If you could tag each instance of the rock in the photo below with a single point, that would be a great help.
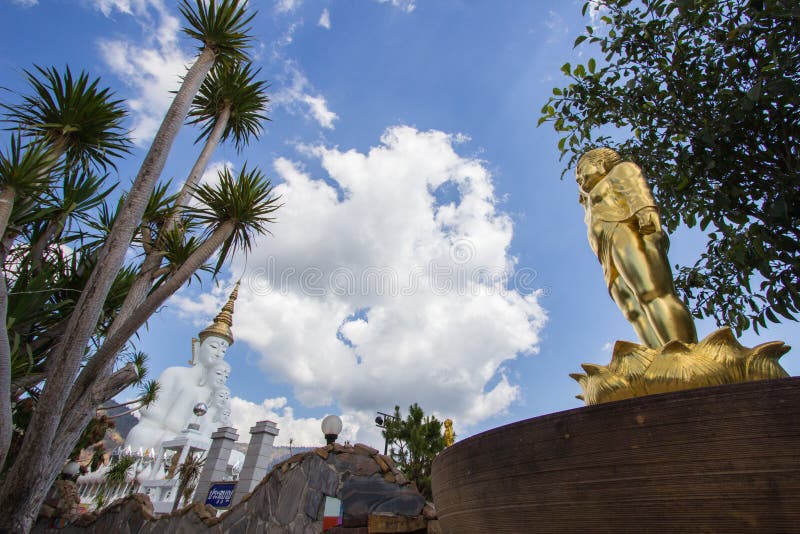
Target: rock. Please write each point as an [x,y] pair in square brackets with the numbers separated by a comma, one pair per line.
[356,464]
[313,507]
[382,463]
[366,450]
[62,501]
[289,499]
[321,476]
[361,496]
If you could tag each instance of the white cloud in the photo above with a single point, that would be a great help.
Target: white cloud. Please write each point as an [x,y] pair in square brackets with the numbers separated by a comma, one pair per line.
[296,96]
[325,19]
[25,3]
[286,6]
[319,110]
[405,5]
[151,68]
[423,219]
[303,431]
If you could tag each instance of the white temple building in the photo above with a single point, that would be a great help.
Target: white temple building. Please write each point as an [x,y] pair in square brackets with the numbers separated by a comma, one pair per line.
[192,403]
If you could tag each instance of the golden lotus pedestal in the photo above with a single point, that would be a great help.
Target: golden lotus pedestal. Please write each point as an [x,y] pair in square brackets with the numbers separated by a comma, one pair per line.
[637,370]
[715,459]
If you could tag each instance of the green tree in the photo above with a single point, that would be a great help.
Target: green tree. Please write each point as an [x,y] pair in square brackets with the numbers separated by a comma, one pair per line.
[414,443]
[188,474]
[117,474]
[705,96]
[63,321]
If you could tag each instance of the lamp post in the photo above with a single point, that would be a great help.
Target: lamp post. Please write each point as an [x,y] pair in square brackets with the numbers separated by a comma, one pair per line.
[331,427]
[380,422]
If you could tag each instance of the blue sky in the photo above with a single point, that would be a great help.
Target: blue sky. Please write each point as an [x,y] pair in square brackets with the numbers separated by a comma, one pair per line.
[402,139]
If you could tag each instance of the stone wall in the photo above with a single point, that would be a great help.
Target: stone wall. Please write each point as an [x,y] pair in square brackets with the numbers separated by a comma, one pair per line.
[375,495]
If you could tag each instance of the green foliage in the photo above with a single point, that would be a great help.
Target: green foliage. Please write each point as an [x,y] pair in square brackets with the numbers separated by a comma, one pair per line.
[66,134]
[414,443]
[246,200]
[98,458]
[188,474]
[73,115]
[25,168]
[117,473]
[221,25]
[705,97]
[232,85]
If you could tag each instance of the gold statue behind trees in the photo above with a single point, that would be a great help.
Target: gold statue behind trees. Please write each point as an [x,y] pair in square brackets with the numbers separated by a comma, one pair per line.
[449,435]
[625,233]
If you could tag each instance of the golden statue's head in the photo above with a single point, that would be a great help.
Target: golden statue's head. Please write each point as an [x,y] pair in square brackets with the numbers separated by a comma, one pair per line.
[595,164]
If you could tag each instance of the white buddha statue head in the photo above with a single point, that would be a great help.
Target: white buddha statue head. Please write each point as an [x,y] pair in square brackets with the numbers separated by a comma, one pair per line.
[221,397]
[221,404]
[215,340]
[220,374]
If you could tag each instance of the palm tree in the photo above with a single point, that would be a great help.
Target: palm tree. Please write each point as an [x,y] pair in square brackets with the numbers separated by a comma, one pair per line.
[230,105]
[117,474]
[148,396]
[188,472]
[67,399]
[66,116]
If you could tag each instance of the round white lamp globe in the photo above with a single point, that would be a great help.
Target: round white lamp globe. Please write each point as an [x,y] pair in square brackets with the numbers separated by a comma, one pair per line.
[331,427]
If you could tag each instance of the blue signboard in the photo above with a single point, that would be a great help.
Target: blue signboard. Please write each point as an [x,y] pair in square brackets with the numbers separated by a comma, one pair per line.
[220,495]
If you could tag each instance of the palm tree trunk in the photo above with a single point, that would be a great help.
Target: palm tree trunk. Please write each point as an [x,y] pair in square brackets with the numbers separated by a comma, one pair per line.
[181,487]
[32,474]
[5,374]
[7,196]
[152,262]
[205,156]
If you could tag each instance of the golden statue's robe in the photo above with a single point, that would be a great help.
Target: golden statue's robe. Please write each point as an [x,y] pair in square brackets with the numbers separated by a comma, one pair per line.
[612,202]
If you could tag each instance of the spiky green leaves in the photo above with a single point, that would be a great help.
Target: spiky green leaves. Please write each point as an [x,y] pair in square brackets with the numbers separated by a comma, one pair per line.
[232,86]
[221,25]
[117,474]
[25,169]
[246,200]
[73,115]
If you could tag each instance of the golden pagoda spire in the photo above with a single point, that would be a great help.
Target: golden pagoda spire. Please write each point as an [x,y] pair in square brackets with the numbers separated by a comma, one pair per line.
[221,327]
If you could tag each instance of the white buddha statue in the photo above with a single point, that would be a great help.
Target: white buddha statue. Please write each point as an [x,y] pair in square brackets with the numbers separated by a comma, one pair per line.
[184,387]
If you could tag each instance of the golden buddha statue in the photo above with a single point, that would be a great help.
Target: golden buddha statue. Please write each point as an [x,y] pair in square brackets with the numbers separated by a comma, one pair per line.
[449,435]
[625,233]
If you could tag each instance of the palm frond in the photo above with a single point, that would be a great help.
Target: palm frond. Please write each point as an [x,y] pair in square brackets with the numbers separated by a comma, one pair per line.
[246,200]
[73,115]
[177,249]
[222,25]
[24,168]
[231,85]
[118,473]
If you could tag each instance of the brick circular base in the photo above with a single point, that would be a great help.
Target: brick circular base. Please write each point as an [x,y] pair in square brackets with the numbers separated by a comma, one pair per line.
[722,459]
